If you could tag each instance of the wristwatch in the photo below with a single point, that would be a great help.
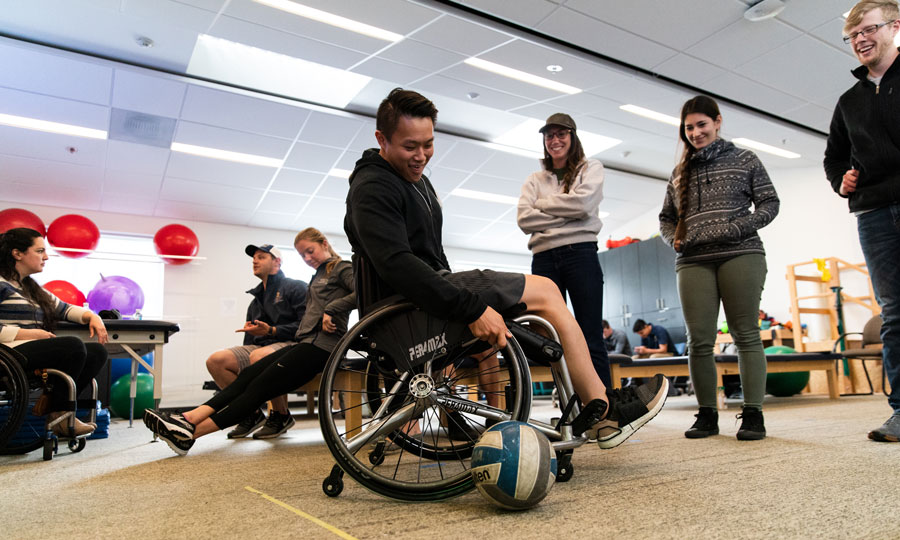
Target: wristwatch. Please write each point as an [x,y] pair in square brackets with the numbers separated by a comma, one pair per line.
[271,330]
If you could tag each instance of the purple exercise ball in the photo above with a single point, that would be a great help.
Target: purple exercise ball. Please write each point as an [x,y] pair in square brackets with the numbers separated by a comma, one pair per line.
[116,292]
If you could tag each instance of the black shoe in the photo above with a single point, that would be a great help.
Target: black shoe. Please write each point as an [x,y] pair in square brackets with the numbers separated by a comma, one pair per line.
[889,431]
[707,424]
[276,425]
[752,426]
[460,428]
[629,409]
[248,425]
[172,428]
[592,413]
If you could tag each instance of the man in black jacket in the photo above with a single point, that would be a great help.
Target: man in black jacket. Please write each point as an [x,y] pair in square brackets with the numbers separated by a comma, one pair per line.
[273,317]
[394,222]
[862,161]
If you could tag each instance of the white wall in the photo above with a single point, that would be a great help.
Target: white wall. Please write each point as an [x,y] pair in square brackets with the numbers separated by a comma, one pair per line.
[206,298]
[813,223]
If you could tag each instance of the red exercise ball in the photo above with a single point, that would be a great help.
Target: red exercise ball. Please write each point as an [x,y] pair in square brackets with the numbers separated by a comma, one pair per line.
[14,218]
[176,239]
[73,231]
[66,292]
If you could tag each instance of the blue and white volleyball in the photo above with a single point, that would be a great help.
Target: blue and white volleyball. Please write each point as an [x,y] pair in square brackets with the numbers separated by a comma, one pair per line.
[514,465]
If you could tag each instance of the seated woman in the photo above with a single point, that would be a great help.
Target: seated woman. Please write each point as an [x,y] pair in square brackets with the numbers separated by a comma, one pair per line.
[330,300]
[28,315]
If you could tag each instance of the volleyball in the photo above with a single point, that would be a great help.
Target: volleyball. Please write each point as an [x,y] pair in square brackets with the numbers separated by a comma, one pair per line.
[513,465]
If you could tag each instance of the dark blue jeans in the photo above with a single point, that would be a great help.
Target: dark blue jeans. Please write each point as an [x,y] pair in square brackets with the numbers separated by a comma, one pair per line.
[576,271]
[879,236]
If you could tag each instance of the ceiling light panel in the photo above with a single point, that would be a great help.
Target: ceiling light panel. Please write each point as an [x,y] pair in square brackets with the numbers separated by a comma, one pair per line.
[523,76]
[652,115]
[235,63]
[762,147]
[331,19]
[51,127]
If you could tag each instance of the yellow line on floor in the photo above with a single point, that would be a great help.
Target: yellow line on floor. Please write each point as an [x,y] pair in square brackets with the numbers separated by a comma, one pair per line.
[302,514]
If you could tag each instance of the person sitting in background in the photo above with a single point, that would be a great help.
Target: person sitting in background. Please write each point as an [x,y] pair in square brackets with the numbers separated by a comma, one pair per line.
[28,315]
[616,340]
[331,299]
[655,340]
[273,317]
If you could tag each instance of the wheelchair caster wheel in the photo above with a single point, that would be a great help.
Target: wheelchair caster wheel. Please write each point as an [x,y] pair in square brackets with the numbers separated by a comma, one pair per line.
[76,445]
[376,456]
[564,468]
[333,484]
[50,448]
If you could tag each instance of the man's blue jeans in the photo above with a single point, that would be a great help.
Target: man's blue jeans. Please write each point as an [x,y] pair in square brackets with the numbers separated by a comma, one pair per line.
[575,269]
[879,236]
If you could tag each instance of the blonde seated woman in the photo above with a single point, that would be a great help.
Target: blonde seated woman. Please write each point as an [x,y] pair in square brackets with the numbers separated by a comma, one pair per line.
[330,299]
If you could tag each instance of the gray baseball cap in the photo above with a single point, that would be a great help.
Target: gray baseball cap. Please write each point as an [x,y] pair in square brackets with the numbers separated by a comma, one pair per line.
[559,119]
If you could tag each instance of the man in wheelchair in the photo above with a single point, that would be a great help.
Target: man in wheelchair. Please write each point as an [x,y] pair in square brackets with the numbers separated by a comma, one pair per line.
[394,222]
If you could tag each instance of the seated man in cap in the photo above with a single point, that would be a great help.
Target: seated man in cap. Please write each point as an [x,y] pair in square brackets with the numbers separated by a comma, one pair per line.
[272,320]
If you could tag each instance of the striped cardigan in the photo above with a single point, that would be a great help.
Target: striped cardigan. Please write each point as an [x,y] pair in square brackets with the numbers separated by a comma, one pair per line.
[724,182]
[17,312]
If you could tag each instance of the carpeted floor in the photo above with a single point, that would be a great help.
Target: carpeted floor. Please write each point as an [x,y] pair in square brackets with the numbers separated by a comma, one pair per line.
[815,476]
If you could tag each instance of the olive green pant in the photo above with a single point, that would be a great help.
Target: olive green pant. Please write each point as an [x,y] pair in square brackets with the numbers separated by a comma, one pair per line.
[738,284]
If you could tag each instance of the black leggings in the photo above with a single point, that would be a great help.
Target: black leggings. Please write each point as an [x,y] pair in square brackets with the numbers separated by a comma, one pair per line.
[279,373]
[82,361]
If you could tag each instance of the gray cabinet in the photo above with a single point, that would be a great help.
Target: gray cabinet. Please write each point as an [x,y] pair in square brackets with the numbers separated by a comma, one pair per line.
[639,283]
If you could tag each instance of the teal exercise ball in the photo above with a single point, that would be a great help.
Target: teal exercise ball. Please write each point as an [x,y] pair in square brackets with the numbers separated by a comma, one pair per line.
[785,384]
[119,395]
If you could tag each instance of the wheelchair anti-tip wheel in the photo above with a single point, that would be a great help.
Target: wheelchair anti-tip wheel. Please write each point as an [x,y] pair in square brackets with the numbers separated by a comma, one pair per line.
[427,400]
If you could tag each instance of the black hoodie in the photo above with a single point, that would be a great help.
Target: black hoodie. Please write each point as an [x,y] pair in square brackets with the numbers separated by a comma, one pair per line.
[394,227]
[865,135]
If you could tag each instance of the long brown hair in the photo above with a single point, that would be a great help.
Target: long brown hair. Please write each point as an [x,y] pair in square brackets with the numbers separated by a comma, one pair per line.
[311,234]
[574,160]
[22,239]
[702,105]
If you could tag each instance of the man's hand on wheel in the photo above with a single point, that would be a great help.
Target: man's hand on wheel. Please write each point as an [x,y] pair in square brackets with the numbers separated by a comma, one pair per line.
[491,328]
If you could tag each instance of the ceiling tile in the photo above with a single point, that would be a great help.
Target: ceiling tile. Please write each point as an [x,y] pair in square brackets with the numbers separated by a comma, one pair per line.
[136,158]
[135,185]
[272,220]
[245,113]
[330,129]
[460,206]
[605,39]
[231,140]
[334,187]
[54,109]
[323,214]
[313,157]
[807,14]
[464,156]
[668,20]
[52,147]
[50,175]
[216,171]
[447,31]
[525,12]
[466,226]
[149,94]
[59,75]
[389,71]
[291,181]
[124,203]
[281,42]
[687,69]
[285,203]
[180,190]
[510,166]
[487,97]
[467,73]
[446,180]
[200,212]
[497,186]
[71,199]
[744,90]
[742,42]
[420,55]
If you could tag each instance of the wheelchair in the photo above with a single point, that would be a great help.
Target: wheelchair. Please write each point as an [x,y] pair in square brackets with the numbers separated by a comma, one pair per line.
[20,430]
[414,378]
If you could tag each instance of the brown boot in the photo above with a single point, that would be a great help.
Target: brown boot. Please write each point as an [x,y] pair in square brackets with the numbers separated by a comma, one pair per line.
[61,429]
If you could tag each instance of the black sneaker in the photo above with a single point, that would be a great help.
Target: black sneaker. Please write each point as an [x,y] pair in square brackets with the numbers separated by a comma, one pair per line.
[172,428]
[889,431]
[707,424]
[276,425]
[629,409]
[752,426]
[248,425]
[460,428]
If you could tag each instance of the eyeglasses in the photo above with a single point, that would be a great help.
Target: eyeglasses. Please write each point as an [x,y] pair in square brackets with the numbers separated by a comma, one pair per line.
[865,32]
[561,134]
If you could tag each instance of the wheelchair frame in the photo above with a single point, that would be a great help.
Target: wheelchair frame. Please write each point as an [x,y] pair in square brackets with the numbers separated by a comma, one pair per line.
[18,392]
[430,466]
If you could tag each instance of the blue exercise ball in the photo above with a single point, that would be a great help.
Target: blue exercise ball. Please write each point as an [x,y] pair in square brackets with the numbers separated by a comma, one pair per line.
[122,366]
[513,465]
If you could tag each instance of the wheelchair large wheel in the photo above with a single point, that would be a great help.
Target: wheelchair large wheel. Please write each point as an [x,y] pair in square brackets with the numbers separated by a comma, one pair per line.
[32,429]
[13,395]
[428,401]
